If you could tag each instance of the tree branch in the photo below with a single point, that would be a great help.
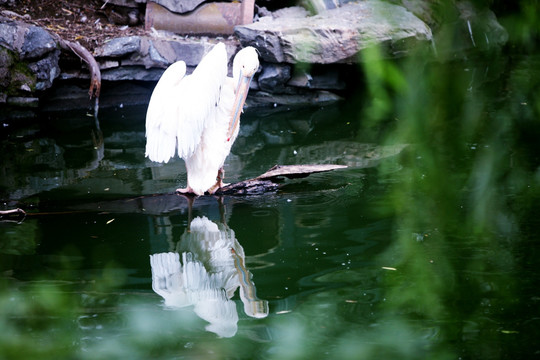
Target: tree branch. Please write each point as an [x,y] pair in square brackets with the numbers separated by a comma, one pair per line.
[17,215]
[268,182]
[93,67]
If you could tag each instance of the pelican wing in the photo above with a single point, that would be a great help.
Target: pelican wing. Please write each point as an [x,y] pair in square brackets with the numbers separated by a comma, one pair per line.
[200,97]
[161,121]
[180,113]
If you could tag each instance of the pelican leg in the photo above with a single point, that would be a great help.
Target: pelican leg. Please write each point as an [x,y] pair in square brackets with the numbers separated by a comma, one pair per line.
[219,182]
[221,176]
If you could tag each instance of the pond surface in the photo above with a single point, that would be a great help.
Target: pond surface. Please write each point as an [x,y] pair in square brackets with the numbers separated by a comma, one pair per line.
[424,247]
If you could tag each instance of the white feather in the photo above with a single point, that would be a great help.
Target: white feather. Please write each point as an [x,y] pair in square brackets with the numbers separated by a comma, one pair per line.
[180,105]
[161,122]
[198,99]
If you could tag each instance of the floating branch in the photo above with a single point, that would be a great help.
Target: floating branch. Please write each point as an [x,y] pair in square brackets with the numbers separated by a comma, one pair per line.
[248,187]
[297,171]
[268,182]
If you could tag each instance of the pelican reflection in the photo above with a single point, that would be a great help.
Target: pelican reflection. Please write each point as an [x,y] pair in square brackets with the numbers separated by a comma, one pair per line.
[204,272]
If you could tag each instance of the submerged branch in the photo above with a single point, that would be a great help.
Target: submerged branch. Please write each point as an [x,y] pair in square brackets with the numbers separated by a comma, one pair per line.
[16,215]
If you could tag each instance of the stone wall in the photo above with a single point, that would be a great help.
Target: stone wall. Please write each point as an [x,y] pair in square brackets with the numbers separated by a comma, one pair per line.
[304,58]
[28,62]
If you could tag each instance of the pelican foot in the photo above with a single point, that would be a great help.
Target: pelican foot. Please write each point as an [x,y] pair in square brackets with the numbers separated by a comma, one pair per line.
[216,187]
[219,183]
[187,190]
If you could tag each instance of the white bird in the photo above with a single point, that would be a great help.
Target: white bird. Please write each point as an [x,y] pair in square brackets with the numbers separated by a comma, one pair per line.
[197,116]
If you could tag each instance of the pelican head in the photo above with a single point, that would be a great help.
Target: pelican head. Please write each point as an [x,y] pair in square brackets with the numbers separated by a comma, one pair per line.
[245,65]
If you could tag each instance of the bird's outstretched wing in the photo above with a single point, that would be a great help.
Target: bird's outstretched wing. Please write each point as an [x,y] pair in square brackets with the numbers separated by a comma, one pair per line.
[179,115]
[161,118]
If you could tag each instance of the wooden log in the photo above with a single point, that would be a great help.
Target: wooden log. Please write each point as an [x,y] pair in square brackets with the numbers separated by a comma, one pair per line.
[268,182]
[249,187]
[297,171]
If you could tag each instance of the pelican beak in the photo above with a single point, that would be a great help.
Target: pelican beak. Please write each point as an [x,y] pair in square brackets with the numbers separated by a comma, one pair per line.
[240,98]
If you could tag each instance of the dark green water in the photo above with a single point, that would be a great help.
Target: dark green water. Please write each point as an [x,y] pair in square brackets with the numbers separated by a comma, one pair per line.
[426,246]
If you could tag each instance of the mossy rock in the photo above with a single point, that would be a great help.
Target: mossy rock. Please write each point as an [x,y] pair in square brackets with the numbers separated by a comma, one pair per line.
[16,78]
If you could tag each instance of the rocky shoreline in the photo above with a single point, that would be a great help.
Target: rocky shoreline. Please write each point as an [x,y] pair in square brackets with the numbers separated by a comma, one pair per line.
[304,58]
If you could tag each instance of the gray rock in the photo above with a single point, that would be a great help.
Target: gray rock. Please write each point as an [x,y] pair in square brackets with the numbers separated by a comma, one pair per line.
[156,57]
[15,76]
[69,96]
[119,47]
[483,29]
[156,51]
[30,57]
[159,51]
[462,27]
[353,153]
[6,61]
[108,64]
[22,79]
[37,43]
[8,32]
[23,101]
[329,79]
[46,70]
[126,3]
[274,77]
[318,6]
[335,36]
[179,6]
[291,12]
[131,73]
[28,41]
[424,9]
[190,53]
[262,98]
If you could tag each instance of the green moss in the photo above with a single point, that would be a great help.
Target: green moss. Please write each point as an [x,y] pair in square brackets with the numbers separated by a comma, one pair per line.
[18,74]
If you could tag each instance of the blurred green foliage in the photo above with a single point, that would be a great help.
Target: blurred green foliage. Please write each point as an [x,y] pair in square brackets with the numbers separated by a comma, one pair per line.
[470,124]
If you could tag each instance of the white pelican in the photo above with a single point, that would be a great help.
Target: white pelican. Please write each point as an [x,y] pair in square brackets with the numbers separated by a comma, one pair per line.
[197,115]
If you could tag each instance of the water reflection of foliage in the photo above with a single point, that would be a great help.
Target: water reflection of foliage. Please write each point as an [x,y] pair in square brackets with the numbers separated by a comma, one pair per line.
[18,240]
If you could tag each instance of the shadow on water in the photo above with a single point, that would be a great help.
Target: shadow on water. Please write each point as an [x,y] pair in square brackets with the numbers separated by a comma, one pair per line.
[424,247]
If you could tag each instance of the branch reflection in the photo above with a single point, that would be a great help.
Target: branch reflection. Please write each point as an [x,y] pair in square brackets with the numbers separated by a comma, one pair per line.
[205,271]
